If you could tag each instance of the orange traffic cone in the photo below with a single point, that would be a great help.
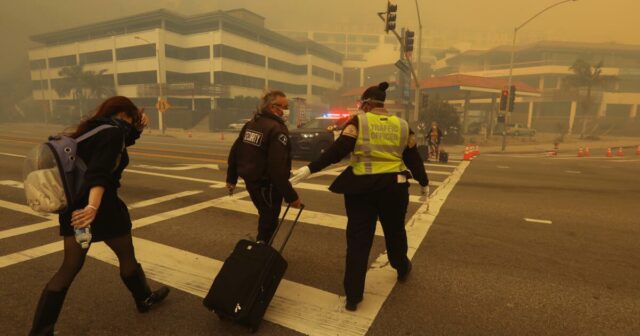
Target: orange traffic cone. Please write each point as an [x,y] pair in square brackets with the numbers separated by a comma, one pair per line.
[467,154]
[587,153]
[189,134]
[221,135]
[580,152]
[609,154]
[620,152]
[638,150]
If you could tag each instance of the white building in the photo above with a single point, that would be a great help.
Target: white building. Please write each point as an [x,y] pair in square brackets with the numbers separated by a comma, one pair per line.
[228,53]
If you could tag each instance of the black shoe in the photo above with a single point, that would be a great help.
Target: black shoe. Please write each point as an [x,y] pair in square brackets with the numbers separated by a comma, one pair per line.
[352,305]
[47,312]
[402,276]
[155,298]
[145,299]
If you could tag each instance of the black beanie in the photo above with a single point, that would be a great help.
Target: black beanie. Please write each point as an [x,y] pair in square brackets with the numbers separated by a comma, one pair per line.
[376,92]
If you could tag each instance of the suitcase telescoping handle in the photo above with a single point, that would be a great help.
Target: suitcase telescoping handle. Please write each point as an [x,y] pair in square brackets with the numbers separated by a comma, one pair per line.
[286,239]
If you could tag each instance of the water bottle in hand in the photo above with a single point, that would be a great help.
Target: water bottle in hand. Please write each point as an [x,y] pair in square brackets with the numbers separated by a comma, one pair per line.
[83,236]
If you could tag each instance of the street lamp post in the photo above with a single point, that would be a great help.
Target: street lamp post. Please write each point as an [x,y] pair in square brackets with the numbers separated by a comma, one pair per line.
[160,93]
[513,52]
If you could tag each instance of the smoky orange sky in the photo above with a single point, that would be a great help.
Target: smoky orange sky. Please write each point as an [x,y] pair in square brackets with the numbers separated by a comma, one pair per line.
[583,20]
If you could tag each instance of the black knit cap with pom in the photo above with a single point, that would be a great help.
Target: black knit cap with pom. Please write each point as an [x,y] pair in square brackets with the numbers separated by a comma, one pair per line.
[376,94]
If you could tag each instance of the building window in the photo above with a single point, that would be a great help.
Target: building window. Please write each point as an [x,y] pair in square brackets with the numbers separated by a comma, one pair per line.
[229,78]
[225,51]
[186,54]
[288,88]
[38,64]
[287,67]
[62,61]
[551,82]
[141,77]
[37,84]
[321,72]
[338,77]
[96,57]
[178,77]
[618,110]
[141,51]
[319,91]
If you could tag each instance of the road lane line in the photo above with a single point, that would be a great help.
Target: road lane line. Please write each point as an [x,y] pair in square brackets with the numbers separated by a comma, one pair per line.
[321,187]
[163,199]
[181,167]
[502,167]
[541,221]
[299,307]
[217,184]
[13,184]
[25,209]
[573,171]
[307,217]
[27,229]
[439,165]
[13,155]
[430,172]
[32,253]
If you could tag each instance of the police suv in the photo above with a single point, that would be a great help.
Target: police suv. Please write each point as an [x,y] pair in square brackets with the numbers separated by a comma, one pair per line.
[311,139]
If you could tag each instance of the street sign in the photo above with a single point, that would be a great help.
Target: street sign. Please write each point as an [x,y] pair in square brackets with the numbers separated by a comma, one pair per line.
[403,65]
[163,105]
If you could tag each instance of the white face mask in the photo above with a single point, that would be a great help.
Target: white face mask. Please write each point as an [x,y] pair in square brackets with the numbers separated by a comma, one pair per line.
[285,115]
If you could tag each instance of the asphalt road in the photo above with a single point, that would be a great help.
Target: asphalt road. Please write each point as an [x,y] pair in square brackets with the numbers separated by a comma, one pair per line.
[480,268]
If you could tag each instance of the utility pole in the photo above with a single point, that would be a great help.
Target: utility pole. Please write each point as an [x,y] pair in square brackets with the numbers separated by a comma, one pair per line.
[418,91]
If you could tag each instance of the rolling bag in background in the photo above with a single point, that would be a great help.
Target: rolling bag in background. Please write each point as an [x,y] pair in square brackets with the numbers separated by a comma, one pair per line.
[248,280]
[444,157]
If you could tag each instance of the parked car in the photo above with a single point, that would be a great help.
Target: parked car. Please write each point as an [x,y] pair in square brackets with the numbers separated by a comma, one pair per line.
[519,129]
[238,124]
[311,139]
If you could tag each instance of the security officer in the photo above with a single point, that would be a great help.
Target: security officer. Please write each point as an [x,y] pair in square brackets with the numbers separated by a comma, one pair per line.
[375,186]
[262,157]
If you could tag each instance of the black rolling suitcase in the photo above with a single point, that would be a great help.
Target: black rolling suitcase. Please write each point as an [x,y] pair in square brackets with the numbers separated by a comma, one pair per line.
[248,280]
[444,157]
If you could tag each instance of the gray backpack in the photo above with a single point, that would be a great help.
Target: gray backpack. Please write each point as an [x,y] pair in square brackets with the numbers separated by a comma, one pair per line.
[54,173]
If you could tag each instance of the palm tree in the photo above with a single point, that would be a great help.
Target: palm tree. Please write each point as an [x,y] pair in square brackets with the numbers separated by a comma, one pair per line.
[589,77]
[82,85]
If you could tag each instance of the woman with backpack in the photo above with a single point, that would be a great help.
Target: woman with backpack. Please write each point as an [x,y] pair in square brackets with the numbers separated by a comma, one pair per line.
[100,208]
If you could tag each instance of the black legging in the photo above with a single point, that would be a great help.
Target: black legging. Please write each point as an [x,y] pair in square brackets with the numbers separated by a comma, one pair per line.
[74,257]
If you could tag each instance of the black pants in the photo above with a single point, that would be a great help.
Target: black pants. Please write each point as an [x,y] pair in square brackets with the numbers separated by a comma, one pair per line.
[268,200]
[363,211]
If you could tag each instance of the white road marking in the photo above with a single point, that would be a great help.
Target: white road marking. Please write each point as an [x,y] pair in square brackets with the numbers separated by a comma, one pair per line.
[381,277]
[13,155]
[502,167]
[321,187]
[163,199]
[25,209]
[182,167]
[218,184]
[32,253]
[430,172]
[541,221]
[299,307]
[440,165]
[27,229]
[13,184]
[308,217]
[573,171]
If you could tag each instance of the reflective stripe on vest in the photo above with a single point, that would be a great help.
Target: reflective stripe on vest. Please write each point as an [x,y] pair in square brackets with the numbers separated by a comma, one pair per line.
[381,141]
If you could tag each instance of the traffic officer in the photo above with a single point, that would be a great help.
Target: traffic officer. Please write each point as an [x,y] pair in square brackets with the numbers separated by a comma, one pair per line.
[375,186]
[262,157]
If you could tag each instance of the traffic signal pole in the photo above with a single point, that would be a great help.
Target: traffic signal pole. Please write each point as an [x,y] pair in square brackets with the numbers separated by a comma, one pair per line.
[418,91]
[402,47]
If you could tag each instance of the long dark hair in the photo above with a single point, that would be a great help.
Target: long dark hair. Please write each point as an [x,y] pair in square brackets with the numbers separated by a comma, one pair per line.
[108,109]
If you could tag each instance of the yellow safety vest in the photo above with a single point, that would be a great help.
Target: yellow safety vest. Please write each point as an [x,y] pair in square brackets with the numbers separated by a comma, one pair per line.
[381,141]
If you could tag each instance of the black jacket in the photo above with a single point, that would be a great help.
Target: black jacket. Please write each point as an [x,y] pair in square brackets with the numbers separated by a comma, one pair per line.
[262,153]
[349,183]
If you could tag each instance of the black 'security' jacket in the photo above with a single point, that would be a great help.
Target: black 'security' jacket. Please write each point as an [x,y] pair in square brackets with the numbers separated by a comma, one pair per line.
[262,153]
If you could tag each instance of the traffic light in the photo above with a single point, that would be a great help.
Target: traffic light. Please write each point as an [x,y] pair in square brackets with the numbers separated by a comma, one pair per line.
[504,97]
[409,37]
[512,98]
[390,18]
[501,118]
